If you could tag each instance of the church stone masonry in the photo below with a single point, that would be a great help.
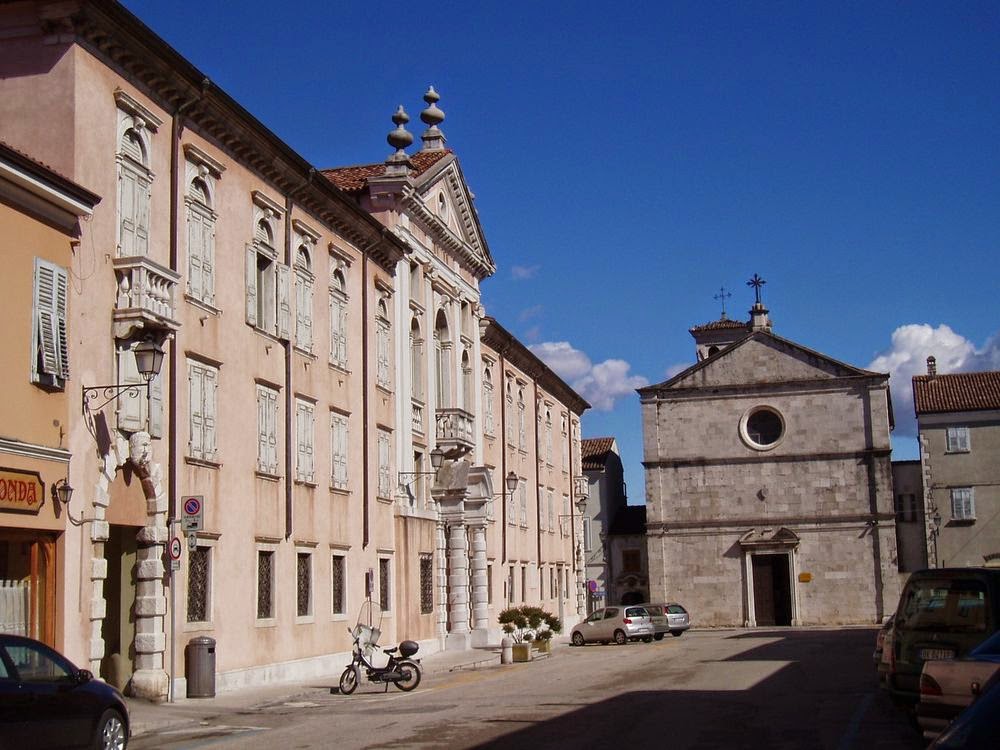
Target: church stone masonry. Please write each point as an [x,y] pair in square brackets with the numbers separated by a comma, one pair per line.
[768,483]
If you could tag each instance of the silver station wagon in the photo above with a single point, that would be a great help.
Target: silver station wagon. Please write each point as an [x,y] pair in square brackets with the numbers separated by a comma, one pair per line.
[618,624]
[668,618]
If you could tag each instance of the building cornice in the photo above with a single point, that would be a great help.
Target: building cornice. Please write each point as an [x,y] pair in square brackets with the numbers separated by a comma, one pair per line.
[677,463]
[30,450]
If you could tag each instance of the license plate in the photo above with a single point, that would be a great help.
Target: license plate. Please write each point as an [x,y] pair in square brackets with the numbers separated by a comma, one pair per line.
[931,654]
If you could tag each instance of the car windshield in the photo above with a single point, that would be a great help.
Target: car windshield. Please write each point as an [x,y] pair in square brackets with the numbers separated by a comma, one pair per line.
[945,605]
[676,609]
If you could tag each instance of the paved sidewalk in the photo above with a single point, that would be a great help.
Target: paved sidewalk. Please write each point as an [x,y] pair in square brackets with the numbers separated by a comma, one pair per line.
[149,717]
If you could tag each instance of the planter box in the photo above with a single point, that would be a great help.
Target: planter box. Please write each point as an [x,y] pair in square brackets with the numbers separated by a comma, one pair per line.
[542,647]
[521,652]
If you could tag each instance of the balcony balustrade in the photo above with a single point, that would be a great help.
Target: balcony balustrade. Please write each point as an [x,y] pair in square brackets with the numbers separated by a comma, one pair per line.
[145,297]
[455,431]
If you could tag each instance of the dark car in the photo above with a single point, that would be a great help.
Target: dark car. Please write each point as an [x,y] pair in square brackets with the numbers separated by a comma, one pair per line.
[942,614]
[46,702]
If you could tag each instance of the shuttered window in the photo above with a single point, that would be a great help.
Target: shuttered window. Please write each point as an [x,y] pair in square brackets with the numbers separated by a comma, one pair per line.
[267,430]
[303,301]
[384,461]
[304,428]
[134,183]
[268,302]
[200,244]
[203,382]
[338,320]
[50,358]
[338,442]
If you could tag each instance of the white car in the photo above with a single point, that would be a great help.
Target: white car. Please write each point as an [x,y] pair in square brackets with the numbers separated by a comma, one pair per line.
[619,624]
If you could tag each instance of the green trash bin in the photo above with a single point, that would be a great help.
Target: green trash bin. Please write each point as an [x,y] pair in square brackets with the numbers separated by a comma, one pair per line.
[199,667]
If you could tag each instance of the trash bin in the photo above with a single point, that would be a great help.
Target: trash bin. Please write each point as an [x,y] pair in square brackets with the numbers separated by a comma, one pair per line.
[199,667]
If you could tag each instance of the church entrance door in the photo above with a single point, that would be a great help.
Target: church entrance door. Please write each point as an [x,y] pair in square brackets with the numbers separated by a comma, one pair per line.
[772,595]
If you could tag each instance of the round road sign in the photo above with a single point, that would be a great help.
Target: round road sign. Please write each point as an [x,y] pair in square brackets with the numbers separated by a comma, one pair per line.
[175,549]
[192,506]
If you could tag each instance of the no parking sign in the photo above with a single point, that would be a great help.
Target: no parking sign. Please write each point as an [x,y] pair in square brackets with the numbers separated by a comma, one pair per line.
[192,512]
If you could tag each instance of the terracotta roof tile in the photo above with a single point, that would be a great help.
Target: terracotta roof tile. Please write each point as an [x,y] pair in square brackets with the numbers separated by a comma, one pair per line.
[720,325]
[353,179]
[593,451]
[965,391]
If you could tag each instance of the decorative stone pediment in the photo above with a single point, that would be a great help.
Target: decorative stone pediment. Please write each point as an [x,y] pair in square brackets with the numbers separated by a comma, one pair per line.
[770,537]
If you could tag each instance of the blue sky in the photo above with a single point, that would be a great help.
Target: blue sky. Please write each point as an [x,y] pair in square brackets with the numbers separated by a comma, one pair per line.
[630,161]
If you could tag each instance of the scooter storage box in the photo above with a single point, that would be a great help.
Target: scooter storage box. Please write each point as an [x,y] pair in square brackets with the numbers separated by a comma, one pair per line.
[408,648]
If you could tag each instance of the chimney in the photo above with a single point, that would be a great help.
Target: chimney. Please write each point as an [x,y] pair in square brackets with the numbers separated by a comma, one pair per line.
[932,366]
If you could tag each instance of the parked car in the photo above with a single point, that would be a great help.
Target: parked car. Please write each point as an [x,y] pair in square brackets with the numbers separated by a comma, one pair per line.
[978,726]
[942,614]
[668,618]
[46,702]
[948,686]
[618,624]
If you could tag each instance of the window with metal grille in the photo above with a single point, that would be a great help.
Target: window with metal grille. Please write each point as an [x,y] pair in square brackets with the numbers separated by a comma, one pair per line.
[383,583]
[426,584]
[265,584]
[198,583]
[303,584]
[337,585]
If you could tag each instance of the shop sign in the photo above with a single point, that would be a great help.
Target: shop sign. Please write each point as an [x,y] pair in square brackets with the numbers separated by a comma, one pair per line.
[21,491]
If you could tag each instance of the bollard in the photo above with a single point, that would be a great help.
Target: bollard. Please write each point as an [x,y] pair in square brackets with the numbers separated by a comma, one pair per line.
[506,650]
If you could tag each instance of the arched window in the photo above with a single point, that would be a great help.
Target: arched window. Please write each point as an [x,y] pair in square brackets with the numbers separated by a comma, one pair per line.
[338,319]
[303,299]
[383,339]
[442,357]
[200,241]
[488,421]
[134,187]
[268,286]
[522,436]
[468,398]
[509,409]
[416,360]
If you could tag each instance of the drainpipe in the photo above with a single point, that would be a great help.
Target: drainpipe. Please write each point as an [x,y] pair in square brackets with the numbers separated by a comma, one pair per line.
[538,488]
[503,457]
[364,402]
[290,439]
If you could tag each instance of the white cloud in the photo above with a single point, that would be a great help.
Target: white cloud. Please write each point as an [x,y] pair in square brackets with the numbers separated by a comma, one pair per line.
[530,312]
[907,356]
[521,273]
[601,384]
[676,369]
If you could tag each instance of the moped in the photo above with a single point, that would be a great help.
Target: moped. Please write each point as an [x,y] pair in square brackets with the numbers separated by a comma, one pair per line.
[400,670]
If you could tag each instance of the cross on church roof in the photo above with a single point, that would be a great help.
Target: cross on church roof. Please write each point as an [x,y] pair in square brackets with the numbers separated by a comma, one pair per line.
[723,295]
[756,282]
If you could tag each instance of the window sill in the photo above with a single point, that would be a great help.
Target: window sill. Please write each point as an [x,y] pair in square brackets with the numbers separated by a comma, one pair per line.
[340,490]
[204,463]
[957,452]
[206,306]
[384,500]
[266,476]
[192,627]
[305,620]
[307,483]
[961,521]
[266,622]
[385,388]
[339,367]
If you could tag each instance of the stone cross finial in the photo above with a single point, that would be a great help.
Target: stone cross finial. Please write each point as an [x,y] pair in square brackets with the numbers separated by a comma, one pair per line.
[432,116]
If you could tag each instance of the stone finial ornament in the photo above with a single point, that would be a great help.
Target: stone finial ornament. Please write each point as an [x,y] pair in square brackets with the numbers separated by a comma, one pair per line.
[432,116]
[400,138]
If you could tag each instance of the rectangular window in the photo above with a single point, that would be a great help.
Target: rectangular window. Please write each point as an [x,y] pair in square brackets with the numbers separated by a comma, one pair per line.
[565,527]
[337,578]
[199,585]
[958,440]
[265,584]
[963,504]
[383,331]
[303,584]
[552,582]
[524,583]
[384,464]
[541,582]
[522,486]
[426,584]
[906,507]
[50,348]
[203,382]
[489,583]
[550,500]
[510,585]
[304,421]
[267,430]
[384,592]
[586,535]
[338,443]
[303,300]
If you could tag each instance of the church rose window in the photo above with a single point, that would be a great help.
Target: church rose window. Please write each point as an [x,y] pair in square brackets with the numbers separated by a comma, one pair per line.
[762,428]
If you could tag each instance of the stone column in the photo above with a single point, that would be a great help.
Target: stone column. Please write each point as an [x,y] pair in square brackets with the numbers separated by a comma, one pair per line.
[458,586]
[480,586]
[441,577]
[581,588]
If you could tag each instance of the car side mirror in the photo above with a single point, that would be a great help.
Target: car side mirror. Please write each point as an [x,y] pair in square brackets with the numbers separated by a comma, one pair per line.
[84,676]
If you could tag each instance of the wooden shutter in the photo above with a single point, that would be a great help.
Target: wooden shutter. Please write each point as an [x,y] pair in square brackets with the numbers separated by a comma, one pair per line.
[196,408]
[251,286]
[284,305]
[46,348]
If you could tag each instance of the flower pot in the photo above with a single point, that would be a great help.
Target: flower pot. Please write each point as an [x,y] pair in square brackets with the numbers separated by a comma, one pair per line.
[542,646]
[522,652]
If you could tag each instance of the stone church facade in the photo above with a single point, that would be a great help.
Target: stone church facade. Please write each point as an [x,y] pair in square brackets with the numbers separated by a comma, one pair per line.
[768,483]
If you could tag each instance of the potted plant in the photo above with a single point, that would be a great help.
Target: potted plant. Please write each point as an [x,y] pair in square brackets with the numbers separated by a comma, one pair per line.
[527,625]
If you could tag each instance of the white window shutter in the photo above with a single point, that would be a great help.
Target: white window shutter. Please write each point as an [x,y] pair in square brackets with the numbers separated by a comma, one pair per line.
[303,314]
[61,310]
[251,286]
[284,310]
[208,260]
[46,353]
[196,423]
[195,282]
[126,211]
[209,411]
[262,441]
[130,407]
[155,405]
[272,432]
[142,215]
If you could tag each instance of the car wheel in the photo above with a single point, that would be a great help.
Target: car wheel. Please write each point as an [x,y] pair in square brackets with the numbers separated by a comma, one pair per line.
[676,633]
[620,638]
[658,636]
[111,733]
[647,639]
[578,639]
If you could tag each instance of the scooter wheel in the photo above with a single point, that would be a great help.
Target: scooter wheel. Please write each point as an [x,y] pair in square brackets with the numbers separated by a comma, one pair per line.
[411,676]
[348,681]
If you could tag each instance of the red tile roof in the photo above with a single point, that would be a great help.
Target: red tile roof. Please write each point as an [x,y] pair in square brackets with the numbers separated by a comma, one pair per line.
[353,179]
[593,451]
[965,391]
[720,325]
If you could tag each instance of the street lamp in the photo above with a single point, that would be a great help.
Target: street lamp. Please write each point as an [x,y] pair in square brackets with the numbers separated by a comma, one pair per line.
[148,360]
[437,458]
[935,531]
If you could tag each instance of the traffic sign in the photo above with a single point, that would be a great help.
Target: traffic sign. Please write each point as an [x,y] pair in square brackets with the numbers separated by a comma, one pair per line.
[192,512]
[192,542]
[175,548]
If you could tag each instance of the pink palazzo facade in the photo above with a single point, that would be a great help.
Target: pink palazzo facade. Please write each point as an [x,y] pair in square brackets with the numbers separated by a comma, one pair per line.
[323,339]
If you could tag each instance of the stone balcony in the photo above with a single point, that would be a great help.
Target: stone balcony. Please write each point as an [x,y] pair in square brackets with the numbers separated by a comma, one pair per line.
[455,431]
[145,298]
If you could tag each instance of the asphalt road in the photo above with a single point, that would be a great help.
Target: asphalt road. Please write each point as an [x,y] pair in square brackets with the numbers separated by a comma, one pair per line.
[706,690]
